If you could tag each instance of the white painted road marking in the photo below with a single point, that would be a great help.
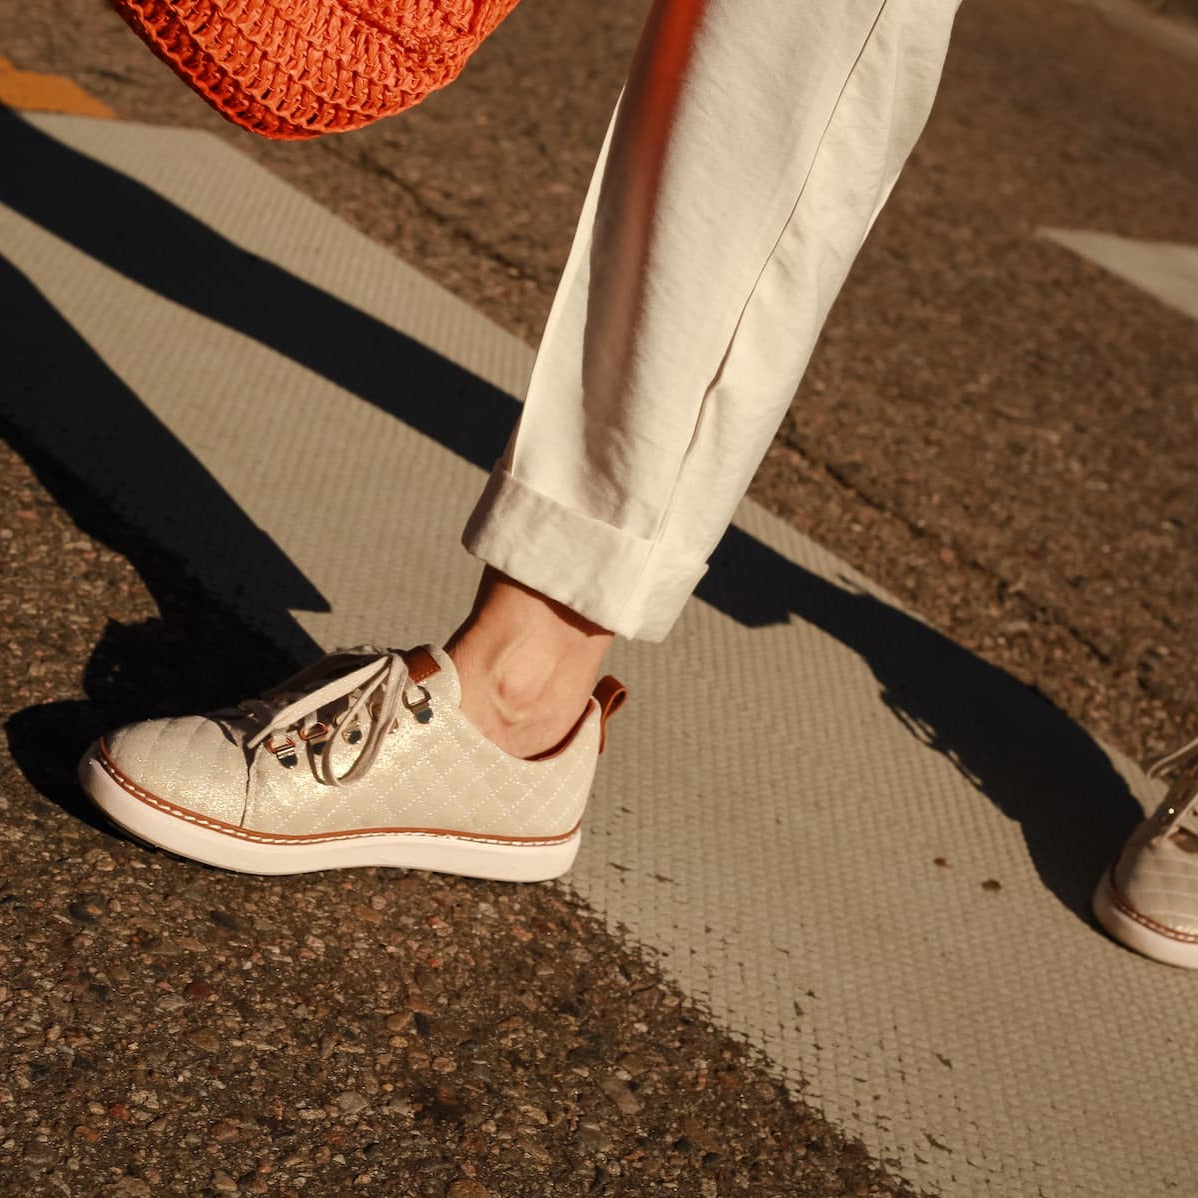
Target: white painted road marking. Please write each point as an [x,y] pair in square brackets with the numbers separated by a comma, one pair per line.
[1167,270]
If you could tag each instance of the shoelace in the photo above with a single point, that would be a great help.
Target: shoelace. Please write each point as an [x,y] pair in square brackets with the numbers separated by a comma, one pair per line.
[1175,814]
[1171,762]
[375,688]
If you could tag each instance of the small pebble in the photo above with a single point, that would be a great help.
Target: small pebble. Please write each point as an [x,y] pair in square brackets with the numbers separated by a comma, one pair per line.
[467,1187]
[624,1100]
[590,1137]
[128,1187]
[85,911]
[350,1102]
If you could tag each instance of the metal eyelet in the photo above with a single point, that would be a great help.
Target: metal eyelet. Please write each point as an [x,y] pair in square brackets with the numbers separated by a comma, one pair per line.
[284,753]
[316,735]
[422,708]
[351,735]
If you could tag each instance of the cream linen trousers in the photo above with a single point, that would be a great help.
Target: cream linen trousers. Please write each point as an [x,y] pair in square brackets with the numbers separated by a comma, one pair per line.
[753,145]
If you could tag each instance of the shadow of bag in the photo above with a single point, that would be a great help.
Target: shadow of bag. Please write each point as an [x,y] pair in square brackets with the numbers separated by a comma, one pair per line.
[293,69]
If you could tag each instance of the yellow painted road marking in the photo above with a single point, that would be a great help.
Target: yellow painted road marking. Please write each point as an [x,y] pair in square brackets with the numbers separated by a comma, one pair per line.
[46,93]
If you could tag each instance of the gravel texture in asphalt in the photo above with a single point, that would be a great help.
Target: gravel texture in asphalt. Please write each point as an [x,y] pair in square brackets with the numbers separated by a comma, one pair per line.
[168,1028]
[997,431]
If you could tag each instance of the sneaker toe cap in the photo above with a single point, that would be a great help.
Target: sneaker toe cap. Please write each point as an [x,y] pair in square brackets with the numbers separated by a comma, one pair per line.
[1158,879]
[191,763]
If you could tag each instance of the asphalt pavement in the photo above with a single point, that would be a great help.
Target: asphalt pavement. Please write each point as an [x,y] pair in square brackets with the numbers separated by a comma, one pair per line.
[994,428]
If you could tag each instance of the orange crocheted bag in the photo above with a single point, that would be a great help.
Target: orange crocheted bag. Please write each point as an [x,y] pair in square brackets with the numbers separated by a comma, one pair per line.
[290,69]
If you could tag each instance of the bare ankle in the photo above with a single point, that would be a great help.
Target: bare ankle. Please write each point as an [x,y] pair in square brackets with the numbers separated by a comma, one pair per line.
[527,666]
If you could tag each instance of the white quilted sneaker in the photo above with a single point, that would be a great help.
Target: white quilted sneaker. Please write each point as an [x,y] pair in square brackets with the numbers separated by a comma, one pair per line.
[1148,899]
[363,758]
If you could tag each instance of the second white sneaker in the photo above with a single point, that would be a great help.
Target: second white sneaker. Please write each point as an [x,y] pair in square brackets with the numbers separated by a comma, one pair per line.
[1148,899]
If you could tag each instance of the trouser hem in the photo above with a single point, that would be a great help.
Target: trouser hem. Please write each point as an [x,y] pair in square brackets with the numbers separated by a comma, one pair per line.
[619,581]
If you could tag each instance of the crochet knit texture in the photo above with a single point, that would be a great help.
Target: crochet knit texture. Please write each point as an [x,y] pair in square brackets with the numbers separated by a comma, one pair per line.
[291,69]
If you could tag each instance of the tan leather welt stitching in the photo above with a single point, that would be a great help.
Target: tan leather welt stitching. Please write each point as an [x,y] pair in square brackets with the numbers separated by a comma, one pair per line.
[216,825]
[1151,924]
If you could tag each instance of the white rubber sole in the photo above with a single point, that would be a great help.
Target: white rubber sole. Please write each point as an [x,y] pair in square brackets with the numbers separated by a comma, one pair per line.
[185,833]
[1137,931]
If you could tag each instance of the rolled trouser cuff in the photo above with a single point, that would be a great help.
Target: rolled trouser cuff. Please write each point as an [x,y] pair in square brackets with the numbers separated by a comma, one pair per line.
[624,583]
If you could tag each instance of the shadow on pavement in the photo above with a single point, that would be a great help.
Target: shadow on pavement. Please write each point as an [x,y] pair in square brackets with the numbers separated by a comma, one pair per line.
[133,230]
[1027,757]
[195,655]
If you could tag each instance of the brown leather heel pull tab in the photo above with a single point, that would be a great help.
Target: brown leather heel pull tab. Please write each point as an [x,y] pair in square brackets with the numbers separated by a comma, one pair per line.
[421,664]
[610,694]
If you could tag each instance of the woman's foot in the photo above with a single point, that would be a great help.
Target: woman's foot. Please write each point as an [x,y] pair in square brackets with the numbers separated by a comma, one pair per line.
[364,758]
[527,665]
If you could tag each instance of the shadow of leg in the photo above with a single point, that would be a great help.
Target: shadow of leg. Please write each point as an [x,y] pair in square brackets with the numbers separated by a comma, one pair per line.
[1026,756]
[196,655]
